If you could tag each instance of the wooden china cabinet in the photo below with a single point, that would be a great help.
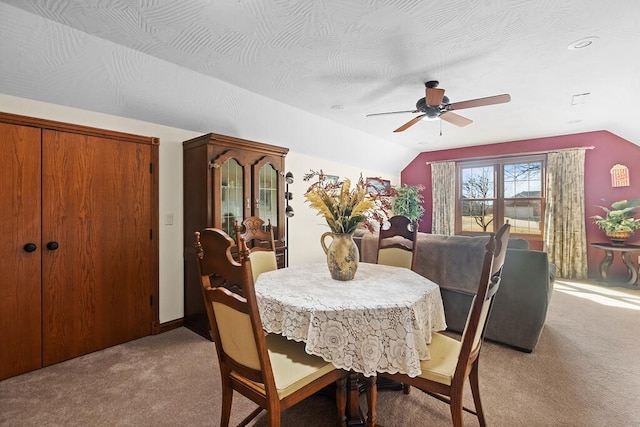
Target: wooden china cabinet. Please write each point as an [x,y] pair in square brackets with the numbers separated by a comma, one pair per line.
[227,179]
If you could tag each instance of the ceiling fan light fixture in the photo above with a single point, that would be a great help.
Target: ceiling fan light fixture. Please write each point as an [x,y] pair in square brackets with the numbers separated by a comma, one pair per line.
[430,117]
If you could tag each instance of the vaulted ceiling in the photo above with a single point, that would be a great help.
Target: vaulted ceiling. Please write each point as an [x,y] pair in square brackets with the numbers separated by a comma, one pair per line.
[344,59]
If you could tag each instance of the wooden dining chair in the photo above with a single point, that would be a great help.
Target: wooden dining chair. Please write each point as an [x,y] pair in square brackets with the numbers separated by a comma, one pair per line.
[270,370]
[453,362]
[397,242]
[397,246]
[261,244]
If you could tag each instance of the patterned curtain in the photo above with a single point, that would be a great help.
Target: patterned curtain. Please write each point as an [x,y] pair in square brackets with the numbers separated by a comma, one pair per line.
[443,187]
[565,236]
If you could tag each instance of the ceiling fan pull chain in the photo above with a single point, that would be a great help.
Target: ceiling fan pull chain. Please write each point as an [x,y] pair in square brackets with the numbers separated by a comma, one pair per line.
[440,127]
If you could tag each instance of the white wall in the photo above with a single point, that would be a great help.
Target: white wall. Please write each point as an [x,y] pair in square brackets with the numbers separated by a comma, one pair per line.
[305,226]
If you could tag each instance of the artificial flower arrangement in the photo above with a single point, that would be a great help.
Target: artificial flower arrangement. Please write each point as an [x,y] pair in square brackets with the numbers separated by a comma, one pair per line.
[345,207]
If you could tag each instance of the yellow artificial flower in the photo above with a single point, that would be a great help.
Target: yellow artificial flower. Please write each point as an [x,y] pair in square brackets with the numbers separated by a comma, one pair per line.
[344,207]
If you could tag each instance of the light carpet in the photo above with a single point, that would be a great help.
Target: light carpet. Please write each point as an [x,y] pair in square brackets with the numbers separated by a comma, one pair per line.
[585,371]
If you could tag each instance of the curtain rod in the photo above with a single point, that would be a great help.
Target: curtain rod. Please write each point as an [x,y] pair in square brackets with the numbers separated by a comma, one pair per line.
[531,153]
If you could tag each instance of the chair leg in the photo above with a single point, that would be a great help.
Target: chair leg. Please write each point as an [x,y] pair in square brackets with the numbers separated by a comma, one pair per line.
[341,401]
[455,405]
[406,388]
[273,418]
[372,399]
[227,399]
[475,391]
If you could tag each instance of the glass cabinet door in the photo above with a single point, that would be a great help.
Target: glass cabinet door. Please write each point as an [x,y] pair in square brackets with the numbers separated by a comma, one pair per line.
[268,194]
[232,182]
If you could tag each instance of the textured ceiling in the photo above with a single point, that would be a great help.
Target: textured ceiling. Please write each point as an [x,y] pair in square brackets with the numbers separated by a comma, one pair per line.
[369,56]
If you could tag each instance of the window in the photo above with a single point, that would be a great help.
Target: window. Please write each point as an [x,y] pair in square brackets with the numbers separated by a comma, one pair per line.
[496,191]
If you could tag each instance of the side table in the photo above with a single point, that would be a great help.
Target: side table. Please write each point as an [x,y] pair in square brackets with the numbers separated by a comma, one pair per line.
[625,250]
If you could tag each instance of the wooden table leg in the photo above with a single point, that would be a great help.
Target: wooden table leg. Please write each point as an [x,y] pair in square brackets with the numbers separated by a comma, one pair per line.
[354,415]
[633,274]
[605,264]
[372,399]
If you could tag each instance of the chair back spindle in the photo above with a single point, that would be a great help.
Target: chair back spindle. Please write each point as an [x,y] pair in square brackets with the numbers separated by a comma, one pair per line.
[260,244]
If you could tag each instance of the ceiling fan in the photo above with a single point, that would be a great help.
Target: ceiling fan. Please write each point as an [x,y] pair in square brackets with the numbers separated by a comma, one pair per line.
[435,105]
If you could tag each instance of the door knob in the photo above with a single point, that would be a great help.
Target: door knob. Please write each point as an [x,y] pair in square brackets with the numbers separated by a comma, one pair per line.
[30,247]
[52,246]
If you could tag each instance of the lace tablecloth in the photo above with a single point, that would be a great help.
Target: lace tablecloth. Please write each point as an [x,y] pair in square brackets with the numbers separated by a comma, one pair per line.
[381,321]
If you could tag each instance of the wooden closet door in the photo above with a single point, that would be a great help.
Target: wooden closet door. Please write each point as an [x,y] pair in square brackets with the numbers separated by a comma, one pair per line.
[96,208]
[20,321]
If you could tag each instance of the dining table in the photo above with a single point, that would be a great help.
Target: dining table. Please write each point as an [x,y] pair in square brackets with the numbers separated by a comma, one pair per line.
[380,321]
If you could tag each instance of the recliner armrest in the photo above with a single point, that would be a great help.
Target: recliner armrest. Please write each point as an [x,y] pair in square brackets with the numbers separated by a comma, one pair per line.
[520,307]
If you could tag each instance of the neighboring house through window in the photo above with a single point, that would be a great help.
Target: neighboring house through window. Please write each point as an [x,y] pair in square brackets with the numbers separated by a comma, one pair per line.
[492,192]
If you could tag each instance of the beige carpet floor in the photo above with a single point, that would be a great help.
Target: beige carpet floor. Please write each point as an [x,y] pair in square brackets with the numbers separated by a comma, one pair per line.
[584,372]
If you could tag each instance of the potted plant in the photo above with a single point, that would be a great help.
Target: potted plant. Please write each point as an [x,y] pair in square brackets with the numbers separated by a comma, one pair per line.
[408,202]
[618,222]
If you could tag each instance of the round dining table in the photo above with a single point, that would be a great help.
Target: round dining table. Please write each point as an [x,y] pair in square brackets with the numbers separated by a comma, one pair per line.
[381,321]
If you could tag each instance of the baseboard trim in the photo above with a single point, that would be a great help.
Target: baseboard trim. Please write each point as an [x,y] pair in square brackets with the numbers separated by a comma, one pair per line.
[171,325]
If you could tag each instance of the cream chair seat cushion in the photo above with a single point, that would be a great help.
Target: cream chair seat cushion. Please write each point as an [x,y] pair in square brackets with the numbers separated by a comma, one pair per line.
[444,358]
[292,367]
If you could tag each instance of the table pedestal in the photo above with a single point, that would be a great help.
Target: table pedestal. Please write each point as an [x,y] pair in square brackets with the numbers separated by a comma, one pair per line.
[626,252]
[357,384]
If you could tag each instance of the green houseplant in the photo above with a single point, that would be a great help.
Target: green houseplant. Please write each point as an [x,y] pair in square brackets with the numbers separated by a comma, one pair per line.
[618,222]
[408,202]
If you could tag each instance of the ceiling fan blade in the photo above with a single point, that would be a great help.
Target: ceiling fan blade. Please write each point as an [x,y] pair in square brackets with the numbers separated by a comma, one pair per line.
[490,100]
[433,96]
[455,119]
[410,123]
[392,112]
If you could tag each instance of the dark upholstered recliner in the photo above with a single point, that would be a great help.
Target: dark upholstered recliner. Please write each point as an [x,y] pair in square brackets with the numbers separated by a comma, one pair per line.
[520,308]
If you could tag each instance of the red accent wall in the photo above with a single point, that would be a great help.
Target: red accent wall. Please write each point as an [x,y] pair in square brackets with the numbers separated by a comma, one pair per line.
[609,150]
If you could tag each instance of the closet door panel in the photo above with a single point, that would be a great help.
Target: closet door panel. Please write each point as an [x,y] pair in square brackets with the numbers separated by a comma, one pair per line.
[20,321]
[96,208]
